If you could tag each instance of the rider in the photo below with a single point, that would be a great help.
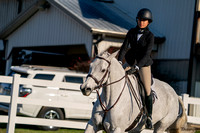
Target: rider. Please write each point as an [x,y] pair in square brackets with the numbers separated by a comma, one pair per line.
[137,48]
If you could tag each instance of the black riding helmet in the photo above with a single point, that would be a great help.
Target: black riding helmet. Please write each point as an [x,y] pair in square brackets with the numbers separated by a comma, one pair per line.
[145,14]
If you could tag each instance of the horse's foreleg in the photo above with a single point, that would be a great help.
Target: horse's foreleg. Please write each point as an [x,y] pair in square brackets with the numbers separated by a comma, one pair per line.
[90,128]
[117,130]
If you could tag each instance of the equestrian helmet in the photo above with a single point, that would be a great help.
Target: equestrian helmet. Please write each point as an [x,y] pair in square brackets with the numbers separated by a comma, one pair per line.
[145,14]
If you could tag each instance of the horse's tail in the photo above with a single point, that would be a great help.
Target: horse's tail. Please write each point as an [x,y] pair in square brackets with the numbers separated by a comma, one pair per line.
[181,121]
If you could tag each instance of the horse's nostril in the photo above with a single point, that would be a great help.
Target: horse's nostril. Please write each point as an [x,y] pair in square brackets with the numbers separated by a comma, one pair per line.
[89,89]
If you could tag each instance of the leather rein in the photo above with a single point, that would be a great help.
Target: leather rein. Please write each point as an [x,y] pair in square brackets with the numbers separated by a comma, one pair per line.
[100,84]
[127,80]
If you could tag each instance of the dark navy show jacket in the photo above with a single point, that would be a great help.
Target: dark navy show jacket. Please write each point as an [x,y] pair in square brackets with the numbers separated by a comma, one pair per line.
[137,50]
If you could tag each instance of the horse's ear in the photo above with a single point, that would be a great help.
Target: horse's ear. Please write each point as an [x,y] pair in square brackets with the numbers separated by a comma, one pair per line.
[113,54]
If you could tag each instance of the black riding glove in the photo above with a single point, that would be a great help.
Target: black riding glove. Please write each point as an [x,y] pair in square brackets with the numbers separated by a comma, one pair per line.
[130,71]
[133,70]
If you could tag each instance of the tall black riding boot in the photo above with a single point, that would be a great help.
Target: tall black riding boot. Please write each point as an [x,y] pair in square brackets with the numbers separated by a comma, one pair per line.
[148,102]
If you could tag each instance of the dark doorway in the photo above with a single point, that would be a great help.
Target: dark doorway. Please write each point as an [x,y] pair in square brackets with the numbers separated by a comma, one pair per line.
[61,56]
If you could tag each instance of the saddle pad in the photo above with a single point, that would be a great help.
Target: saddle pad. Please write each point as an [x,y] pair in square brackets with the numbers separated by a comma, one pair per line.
[142,90]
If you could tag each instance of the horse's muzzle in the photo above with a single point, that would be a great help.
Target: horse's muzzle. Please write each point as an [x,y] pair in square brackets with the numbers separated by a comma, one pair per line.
[86,90]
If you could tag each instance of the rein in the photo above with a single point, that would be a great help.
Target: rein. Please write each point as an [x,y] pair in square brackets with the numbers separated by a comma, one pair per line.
[104,76]
[99,85]
[127,80]
[105,109]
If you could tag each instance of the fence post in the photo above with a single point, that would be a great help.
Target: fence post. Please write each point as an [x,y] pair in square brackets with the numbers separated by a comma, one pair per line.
[185,102]
[13,104]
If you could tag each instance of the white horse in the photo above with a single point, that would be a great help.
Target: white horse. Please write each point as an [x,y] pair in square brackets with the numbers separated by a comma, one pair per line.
[117,107]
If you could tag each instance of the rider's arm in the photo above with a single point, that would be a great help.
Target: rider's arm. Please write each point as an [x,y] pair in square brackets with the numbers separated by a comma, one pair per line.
[124,48]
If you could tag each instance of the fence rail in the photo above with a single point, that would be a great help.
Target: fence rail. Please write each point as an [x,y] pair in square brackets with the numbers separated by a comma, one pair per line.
[187,101]
[12,119]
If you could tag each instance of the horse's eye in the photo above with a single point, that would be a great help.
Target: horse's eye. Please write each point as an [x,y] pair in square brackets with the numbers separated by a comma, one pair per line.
[103,70]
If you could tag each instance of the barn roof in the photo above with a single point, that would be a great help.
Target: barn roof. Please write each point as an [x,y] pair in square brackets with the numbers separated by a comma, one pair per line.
[96,16]
[99,17]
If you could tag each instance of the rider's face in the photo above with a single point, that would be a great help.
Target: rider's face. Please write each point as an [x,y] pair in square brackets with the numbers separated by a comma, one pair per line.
[143,23]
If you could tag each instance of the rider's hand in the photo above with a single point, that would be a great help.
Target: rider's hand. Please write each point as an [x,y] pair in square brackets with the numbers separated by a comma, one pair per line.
[132,70]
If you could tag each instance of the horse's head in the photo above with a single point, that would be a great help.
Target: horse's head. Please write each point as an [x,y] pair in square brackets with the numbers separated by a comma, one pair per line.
[98,73]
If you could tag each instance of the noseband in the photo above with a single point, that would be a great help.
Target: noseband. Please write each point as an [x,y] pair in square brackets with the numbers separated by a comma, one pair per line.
[99,83]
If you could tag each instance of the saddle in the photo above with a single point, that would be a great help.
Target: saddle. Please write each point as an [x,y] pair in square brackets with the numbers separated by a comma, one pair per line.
[142,94]
[142,89]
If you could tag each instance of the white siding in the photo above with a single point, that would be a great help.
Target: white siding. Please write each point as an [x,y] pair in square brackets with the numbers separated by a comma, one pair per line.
[172,18]
[50,28]
[27,3]
[9,10]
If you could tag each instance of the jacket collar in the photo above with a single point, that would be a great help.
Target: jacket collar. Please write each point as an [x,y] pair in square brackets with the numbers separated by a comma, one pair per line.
[142,31]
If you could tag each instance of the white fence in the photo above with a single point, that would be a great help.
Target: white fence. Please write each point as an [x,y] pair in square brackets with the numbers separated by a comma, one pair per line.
[12,119]
[188,101]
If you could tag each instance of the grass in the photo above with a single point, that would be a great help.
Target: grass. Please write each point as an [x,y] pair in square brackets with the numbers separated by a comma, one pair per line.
[39,131]
[35,129]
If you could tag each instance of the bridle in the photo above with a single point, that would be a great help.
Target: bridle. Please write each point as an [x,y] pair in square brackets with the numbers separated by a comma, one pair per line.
[100,84]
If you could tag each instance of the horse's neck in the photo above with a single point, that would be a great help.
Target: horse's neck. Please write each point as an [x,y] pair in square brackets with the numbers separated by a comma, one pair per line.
[113,91]
[116,73]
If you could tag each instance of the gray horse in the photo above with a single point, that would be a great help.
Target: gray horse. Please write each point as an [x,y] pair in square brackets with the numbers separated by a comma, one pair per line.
[118,106]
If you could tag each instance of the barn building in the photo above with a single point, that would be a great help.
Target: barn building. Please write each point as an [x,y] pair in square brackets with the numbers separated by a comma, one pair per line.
[62,32]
